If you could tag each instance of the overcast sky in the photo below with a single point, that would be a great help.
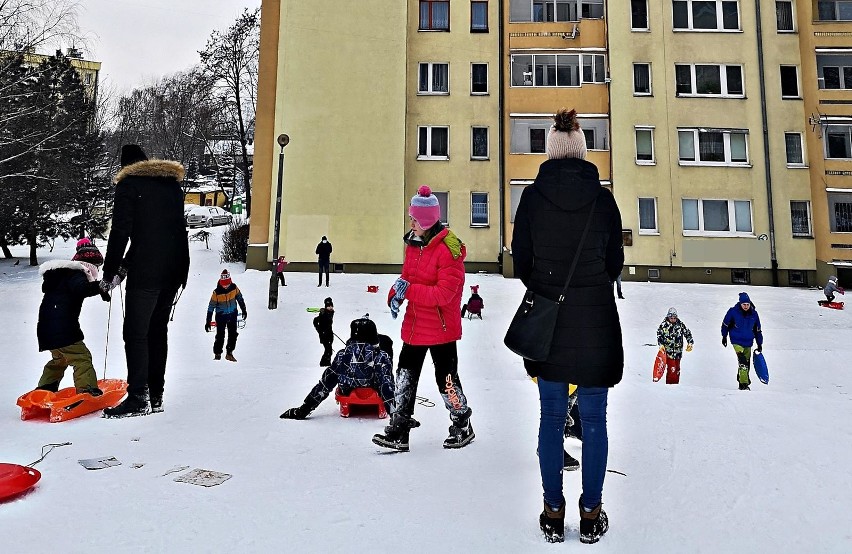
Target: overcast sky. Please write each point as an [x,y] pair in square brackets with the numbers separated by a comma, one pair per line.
[141,40]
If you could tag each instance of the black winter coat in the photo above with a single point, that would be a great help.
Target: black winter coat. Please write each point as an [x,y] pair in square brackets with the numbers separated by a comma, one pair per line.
[587,348]
[322,323]
[148,212]
[65,286]
[323,251]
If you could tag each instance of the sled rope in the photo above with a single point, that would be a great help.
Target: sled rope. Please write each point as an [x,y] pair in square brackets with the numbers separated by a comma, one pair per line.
[614,471]
[44,454]
[174,304]
[106,342]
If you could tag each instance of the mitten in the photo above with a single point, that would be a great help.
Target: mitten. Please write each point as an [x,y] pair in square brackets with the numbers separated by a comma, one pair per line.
[105,286]
[245,315]
[662,349]
[689,347]
[725,342]
[400,286]
[206,326]
[759,348]
[394,307]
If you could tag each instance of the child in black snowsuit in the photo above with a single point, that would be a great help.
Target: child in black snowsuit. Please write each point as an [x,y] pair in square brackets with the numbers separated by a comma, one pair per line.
[361,364]
[322,323]
[224,302]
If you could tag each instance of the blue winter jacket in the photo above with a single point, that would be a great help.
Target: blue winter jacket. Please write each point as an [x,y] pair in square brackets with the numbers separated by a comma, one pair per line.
[743,327]
[358,365]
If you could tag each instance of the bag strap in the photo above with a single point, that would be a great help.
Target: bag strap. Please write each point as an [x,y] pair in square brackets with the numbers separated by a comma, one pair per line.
[579,249]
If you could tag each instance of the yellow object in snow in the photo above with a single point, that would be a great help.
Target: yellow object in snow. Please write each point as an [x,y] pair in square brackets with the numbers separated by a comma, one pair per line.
[571,387]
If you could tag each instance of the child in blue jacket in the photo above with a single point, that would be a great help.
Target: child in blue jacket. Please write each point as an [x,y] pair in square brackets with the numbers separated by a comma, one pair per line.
[742,324]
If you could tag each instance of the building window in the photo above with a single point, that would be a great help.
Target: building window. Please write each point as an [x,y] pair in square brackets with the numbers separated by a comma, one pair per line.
[838,142]
[789,81]
[840,212]
[591,9]
[648,216]
[716,218]
[479,143]
[709,80]
[478,17]
[434,15]
[444,205]
[639,15]
[433,143]
[784,15]
[706,15]
[557,70]
[834,71]
[645,146]
[797,278]
[434,78]
[478,209]
[545,11]
[479,78]
[834,10]
[713,147]
[529,136]
[800,216]
[793,144]
[538,138]
[642,79]
[741,276]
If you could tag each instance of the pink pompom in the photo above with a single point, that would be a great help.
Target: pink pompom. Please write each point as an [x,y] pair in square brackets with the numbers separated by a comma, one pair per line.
[83,242]
[424,190]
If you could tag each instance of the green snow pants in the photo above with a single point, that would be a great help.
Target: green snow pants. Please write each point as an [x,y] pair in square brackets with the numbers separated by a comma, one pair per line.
[744,360]
[75,355]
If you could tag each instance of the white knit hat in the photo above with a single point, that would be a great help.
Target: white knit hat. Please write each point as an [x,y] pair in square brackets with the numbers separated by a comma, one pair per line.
[565,138]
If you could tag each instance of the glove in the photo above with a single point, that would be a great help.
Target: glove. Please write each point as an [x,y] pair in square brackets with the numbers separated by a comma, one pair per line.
[296,413]
[105,286]
[759,348]
[689,347]
[662,349]
[245,315]
[206,326]
[725,342]
[400,286]
[394,307]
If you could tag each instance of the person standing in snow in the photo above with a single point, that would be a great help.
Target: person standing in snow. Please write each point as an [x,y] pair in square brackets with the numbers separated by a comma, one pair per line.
[147,213]
[831,287]
[587,345]
[432,282]
[323,252]
[66,284]
[670,336]
[323,325]
[279,269]
[362,363]
[742,323]
[224,300]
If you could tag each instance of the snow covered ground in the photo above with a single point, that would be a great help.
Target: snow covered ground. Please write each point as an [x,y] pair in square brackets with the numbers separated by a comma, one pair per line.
[708,468]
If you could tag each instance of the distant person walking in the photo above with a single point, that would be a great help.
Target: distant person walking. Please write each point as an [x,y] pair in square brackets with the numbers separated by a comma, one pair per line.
[742,323]
[147,213]
[323,253]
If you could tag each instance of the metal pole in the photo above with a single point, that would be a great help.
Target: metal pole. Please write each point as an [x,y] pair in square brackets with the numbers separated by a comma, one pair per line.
[283,140]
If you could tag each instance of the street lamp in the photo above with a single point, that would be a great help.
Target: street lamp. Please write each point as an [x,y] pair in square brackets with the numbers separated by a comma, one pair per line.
[283,140]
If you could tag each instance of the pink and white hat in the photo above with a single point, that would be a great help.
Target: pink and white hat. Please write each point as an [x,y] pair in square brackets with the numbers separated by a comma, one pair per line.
[424,207]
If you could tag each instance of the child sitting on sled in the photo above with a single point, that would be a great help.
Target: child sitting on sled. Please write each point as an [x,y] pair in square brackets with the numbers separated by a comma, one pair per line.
[361,364]
[670,336]
[474,304]
[66,284]
[831,287]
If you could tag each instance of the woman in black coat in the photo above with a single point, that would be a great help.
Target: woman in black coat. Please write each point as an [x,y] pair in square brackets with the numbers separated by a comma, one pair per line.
[587,348]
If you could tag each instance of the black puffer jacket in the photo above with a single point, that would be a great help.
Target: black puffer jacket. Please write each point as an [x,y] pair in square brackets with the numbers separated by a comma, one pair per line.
[587,348]
[65,286]
[148,212]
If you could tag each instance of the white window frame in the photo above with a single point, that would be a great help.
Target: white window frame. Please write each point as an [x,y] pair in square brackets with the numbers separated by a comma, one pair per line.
[810,232]
[798,94]
[650,80]
[726,143]
[581,59]
[487,143]
[723,79]
[648,231]
[803,163]
[835,198]
[732,219]
[636,130]
[487,215]
[647,26]
[430,82]
[487,75]
[792,12]
[848,136]
[719,18]
[516,188]
[841,76]
[429,129]
[445,217]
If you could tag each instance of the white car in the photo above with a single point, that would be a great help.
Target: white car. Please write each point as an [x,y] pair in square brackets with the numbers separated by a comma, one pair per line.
[207,216]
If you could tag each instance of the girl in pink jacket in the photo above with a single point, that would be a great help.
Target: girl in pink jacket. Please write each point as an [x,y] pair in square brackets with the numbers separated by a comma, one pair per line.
[432,281]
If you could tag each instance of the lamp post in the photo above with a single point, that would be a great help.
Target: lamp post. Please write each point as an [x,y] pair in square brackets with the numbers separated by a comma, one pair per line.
[283,140]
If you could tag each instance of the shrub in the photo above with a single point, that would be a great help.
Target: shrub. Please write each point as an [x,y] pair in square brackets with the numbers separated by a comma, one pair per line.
[235,242]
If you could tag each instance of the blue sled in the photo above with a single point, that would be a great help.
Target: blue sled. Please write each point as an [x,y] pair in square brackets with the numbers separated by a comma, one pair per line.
[760,368]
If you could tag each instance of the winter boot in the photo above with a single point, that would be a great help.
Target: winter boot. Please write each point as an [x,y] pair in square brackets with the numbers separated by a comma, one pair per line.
[133,405]
[296,413]
[156,403]
[396,434]
[217,356]
[51,387]
[461,431]
[94,391]
[593,524]
[570,463]
[230,357]
[552,523]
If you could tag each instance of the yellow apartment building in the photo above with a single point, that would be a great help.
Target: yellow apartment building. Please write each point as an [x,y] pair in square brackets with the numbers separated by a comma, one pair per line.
[87,70]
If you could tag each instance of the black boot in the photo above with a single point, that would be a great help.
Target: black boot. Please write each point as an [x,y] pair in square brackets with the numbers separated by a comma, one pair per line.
[133,405]
[593,524]
[570,463]
[461,431]
[51,387]
[296,413]
[396,434]
[94,391]
[552,523]
[156,403]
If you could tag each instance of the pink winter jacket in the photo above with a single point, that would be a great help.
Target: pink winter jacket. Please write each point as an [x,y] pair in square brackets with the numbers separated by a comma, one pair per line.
[433,311]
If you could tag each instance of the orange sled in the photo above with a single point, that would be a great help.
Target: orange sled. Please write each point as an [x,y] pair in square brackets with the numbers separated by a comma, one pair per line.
[363,396]
[68,404]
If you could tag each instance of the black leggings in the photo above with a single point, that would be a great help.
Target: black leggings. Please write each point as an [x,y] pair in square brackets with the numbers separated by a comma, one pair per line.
[446,361]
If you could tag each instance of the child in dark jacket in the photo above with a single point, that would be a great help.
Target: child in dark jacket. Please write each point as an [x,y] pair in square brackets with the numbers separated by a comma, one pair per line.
[322,323]
[66,284]
[743,325]
[474,304]
[670,336]
[361,364]
[224,302]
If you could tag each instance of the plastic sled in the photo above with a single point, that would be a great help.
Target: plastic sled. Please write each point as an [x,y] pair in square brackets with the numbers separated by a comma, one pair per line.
[474,308]
[659,365]
[16,480]
[760,368]
[833,305]
[68,404]
[362,396]
[372,288]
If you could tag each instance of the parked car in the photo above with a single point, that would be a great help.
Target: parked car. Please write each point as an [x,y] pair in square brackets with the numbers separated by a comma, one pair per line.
[188,208]
[207,216]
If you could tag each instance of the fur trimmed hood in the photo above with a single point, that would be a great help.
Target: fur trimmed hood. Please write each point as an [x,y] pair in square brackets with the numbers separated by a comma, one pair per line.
[152,168]
[60,264]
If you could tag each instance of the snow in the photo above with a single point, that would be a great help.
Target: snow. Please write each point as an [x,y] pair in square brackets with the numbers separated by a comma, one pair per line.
[708,468]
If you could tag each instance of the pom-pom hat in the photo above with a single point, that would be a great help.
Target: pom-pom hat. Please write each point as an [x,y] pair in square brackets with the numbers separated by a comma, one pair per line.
[671,313]
[88,252]
[744,298]
[565,138]
[424,208]
[225,278]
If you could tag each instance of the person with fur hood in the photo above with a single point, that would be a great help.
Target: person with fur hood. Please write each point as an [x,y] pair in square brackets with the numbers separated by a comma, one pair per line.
[432,281]
[147,214]
[670,336]
[742,323]
[65,285]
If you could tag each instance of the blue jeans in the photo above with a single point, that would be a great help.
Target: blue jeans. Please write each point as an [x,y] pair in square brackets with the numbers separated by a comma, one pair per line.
[554,410]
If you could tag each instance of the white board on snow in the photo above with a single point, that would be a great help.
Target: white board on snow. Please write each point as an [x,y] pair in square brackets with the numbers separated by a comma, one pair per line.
[203,477]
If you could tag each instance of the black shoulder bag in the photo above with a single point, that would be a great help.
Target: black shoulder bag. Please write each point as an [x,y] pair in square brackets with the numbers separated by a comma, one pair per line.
[531,332]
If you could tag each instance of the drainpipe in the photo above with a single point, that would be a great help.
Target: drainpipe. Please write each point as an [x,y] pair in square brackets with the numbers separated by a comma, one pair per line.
[766,162]
[501,159]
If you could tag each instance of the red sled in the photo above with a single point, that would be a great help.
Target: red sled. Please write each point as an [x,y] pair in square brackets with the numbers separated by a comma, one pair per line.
[372,288]
[68,403]
[827,304]
[362,396]
[16,480]
[659,365]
